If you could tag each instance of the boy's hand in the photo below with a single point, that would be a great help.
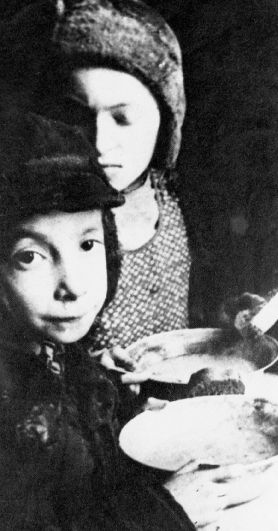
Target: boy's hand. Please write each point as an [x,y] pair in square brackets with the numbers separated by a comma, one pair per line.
[154,404]
[205,492]
[115,358]
[119,360]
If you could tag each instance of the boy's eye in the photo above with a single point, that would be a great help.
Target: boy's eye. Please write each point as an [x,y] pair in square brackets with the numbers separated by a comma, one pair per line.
[27,257]
[87,245]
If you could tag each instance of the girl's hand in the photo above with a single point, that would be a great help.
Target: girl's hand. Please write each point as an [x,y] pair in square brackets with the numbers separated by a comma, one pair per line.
[237,312]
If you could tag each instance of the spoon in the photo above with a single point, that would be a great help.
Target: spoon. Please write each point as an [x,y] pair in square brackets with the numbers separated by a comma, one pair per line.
[267,316]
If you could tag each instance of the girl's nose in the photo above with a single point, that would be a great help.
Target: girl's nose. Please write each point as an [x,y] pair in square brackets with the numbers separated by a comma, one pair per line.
[106,134]
[70,283]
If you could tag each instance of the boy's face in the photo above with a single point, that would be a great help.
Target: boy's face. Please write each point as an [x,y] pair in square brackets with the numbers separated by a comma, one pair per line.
[123,119]
[55,277]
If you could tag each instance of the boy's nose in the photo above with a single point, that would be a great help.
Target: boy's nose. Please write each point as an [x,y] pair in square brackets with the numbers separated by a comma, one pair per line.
[106,137]
[70,283]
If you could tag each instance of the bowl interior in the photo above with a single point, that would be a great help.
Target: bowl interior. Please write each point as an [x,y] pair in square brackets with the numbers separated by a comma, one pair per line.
[214,430]
[174,356]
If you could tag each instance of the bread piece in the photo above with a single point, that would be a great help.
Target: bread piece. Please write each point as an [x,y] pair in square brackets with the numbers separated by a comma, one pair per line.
[215,382]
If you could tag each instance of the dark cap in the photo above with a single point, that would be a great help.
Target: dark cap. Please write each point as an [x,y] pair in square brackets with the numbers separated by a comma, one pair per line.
[58,174]
[66,183]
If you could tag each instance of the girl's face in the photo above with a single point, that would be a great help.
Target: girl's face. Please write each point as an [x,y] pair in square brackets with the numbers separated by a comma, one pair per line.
[124,121]
[55,277]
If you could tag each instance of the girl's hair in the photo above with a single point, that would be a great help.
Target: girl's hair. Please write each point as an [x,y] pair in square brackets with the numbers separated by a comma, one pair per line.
[113,255]
[47,40]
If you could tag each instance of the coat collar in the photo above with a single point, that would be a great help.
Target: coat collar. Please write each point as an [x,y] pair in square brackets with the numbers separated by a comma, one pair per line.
[51,355]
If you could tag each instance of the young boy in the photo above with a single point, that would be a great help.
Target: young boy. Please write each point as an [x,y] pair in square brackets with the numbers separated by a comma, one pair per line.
[59,264]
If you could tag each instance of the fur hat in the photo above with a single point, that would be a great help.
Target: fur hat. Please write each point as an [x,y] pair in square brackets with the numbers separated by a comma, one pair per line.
[123,34]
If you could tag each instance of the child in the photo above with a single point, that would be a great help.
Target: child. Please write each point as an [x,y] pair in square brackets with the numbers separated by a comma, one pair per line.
[59,265]
[115,70]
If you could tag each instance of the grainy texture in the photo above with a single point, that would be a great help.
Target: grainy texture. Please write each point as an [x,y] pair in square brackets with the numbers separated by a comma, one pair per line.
[152,291]
[209,382]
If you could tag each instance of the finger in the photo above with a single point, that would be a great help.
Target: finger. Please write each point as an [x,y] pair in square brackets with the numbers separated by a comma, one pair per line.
[135,389]
[203,508]
[212,471]
[97,353]
[213,525]
[104,357]
[209,527]
[120,354]
[236,472]
[246,482]
[252,486]
[224,474]
[197,491]
[122,358]
[107,361]
[154,404]
[208,521]
[135,377]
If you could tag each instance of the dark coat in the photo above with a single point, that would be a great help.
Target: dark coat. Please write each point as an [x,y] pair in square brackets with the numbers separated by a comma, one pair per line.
[59,457]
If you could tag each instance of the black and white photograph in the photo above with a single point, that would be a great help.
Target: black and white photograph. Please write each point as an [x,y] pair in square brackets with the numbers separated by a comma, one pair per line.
[138,265]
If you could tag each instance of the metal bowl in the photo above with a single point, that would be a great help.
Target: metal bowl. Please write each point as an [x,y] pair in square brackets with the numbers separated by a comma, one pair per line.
[170,359]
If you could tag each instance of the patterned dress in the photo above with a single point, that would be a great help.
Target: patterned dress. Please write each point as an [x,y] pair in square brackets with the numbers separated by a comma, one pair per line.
[152,294]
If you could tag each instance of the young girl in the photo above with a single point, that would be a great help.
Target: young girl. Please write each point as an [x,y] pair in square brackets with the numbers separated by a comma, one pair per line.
[114,69]
[59,265]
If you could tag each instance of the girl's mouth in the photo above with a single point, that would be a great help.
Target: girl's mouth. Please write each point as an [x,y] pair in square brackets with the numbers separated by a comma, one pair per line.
[111,166]
[63,319]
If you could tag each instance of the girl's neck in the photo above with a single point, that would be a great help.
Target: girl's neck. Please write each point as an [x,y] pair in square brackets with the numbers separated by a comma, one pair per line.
[136,220]
[138,183]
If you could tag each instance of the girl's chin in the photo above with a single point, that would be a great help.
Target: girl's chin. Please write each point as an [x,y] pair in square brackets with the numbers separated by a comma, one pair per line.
[119,180]
[65,337]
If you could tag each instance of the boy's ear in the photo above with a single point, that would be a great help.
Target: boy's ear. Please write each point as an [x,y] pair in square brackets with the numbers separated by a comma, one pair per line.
[63,5]
[4,299]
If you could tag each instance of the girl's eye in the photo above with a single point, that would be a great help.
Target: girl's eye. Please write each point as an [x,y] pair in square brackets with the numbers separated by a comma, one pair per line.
[87,245]
[27,259]
[121,119]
